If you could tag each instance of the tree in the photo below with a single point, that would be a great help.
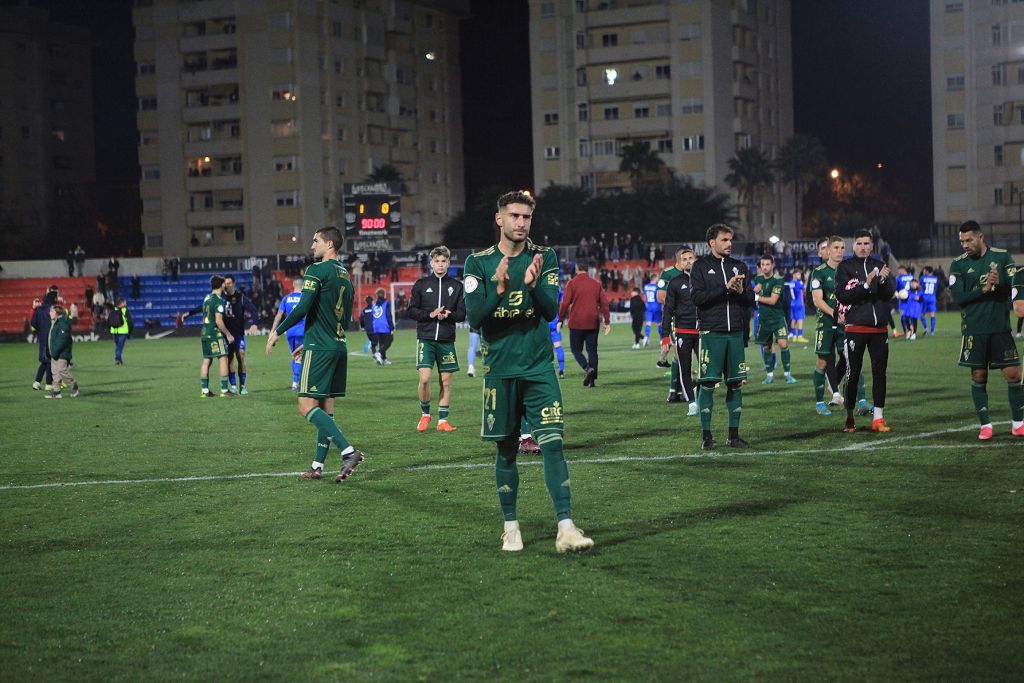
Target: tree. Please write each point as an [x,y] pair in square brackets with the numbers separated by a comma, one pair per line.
[801,162]
[388,173]
[640,162]
[750,171]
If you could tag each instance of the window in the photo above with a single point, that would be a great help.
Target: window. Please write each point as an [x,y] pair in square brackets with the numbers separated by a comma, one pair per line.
[341,167]
[584,147]
[689,32]
[26,133]
[999,74]
[151,173]
[664,109]
[638,37]
[997,115]
[147,68]
[581,40]
[147,103]
[282,129]
[581,76]
[57,134]
[336,29]
[952,6]
[691,106]
[641,112]
[341,134]
[583,111]
[149,138]
[611,113]
[551,152]
[998,196]
[997,153]
[691,69]
[665,145]
[957,82]
[604,147]
[662,72]
[997,34]
[587,181]
[284,93]
[286,198]
[609,39]
[548,45]
[551,118]
[955,121]
[284,163]
[433,145]
[581,5]
[547,9]
[693,143]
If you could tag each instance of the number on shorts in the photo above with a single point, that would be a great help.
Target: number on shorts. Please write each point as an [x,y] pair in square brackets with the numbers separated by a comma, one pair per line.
[491,396]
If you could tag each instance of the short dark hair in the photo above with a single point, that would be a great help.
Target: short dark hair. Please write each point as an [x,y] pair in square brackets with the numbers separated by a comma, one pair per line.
[333,235]
[717,229]
[835,238]
[229,276]
[970,226]
[766,257]
[927,269]
[863,232]
[369,299]
[517,197]
[216,281]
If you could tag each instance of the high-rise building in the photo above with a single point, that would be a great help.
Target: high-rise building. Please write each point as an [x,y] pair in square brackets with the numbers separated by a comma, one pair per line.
[47,146]
[252,117]
[978,114]
[696,80]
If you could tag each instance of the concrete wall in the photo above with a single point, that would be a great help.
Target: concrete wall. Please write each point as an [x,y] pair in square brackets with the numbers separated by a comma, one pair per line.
[93,266]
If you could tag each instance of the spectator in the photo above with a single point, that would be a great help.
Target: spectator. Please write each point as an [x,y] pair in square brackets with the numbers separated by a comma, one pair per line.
[79,259]
[175,267]
[101,284]
[583,305]
[113,266]
[59,342]
[383,327]
[70,260]
[637,309]
[357,270]
[113,286]
[136,286]
[164,269]
[41,322]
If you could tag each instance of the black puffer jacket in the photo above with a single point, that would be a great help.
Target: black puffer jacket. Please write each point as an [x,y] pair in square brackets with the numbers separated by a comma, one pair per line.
[429,293]
[863,304]
[718,308]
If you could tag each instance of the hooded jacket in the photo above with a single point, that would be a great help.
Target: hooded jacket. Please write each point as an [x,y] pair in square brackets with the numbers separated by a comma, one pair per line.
[718,308]
[863,304]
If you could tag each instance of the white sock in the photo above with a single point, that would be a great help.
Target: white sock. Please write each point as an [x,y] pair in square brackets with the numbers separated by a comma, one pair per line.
[317,465]
[878,413]
[565,524]
[348,450]
[524,436]
[989,425]
[443,419]
[512,526]
[1017,425]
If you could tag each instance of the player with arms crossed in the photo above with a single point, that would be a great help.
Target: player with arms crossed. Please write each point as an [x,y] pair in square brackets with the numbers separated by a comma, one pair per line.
[215,338]
[980,282]
[288,303]
[771,319]
[511,295]
[326,306]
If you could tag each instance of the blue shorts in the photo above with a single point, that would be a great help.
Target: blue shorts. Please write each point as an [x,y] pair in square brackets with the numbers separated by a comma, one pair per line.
[653,316]
[796,313]
[294,341]
[237,345]
[556,336]
[928,306]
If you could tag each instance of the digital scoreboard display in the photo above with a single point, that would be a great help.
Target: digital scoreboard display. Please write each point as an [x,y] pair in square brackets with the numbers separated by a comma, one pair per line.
[373,215]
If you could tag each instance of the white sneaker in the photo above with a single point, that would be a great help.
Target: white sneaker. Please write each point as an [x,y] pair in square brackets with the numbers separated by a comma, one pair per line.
[471,372]
[637,346]
[912,337]
[837,399]
[48,387]
[693,409]
[647,340]
[387,362]
[572,540]
[378,359]
[37,386]
[512,540]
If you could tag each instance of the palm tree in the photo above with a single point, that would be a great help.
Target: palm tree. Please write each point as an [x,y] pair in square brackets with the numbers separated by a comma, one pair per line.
[388,173]
[639,161]
[802,162]
[749,172]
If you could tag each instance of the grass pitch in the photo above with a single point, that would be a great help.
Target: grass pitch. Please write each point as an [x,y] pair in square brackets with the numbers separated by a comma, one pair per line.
[817,555]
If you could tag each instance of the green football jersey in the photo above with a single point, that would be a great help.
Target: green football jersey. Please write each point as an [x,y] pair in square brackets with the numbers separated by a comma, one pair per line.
[516,340]
[823,279]
[982,312]
[326,305]
[769,286]
[666,277]
[212,305]
[1017,294]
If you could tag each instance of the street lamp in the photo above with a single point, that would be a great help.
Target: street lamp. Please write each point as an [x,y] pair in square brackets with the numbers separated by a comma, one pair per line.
[834,174]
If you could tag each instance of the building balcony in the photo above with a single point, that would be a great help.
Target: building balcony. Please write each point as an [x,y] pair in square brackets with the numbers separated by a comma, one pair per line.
[281,110]
[216,182]
[284,182]
[624,89]
[404,155]
[214,148]
[746,55]
[624,54]
[625,16]
[745,91]
[651,127]
[212,9]
[213,217]
[403,122]
[197,79]
[212,41]
[747,21]
[211,113]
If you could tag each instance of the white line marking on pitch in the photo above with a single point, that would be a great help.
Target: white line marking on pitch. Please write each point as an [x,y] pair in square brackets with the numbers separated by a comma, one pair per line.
[881,444]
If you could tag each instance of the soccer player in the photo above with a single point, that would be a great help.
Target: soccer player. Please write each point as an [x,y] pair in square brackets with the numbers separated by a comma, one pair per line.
[929,300]
[555,328]
[236,306]
[797,312]
[653,312]
[980,282]
[383,327]
[666,330]
[215,338]
[771,325]
[436,305]
[719,288]
[326,307]
[864,289]
[366,322]
[680,317]
[903,280]
[829,336]
[474,344]
[914,308]
[511,295]
[294,335]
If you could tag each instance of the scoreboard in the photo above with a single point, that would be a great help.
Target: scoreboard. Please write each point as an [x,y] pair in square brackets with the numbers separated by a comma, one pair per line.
[373,216]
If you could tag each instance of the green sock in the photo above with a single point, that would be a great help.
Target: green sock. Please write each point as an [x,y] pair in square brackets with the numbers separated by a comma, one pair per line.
[556,473]
[862,395]
[506,476]
[223,384]
[819,385]
[322,444]
[425,407]
[673,384]
[204,382]
[705,401]
[1016,394]
[767,359]
[325,423]
[442,412]
[980,396]
[733,403]
[785,359]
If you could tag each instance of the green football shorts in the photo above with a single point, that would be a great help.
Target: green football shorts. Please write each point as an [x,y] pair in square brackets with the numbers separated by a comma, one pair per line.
[442,354]
[506,400]
[721,354]
[214,348]
[324,373]
[996,350]
[770,328]
[828,338]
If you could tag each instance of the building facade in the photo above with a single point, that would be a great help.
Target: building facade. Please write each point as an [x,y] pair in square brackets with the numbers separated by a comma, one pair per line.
[253,115]
[47,144]
[695,80]
[978,115]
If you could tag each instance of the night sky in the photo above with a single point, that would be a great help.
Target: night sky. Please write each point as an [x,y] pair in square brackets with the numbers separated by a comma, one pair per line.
[861,86]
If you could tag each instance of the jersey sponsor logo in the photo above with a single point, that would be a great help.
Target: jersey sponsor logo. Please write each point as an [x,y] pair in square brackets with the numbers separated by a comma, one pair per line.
[815,284]
[490,421]
[952,279]
[448,358]
[551,414]
[661,284]
[308,284]
[515,298]
[553,278]
[471,284]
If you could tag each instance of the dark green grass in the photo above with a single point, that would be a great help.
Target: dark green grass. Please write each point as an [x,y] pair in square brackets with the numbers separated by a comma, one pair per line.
[898,561]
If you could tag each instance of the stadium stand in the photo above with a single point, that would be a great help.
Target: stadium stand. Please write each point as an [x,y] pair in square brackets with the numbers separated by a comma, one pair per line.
[16,297]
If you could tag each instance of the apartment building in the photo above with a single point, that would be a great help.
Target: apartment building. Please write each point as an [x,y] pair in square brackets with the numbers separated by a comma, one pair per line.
[47,145]
[696,80]
[977,72]
[253,115]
